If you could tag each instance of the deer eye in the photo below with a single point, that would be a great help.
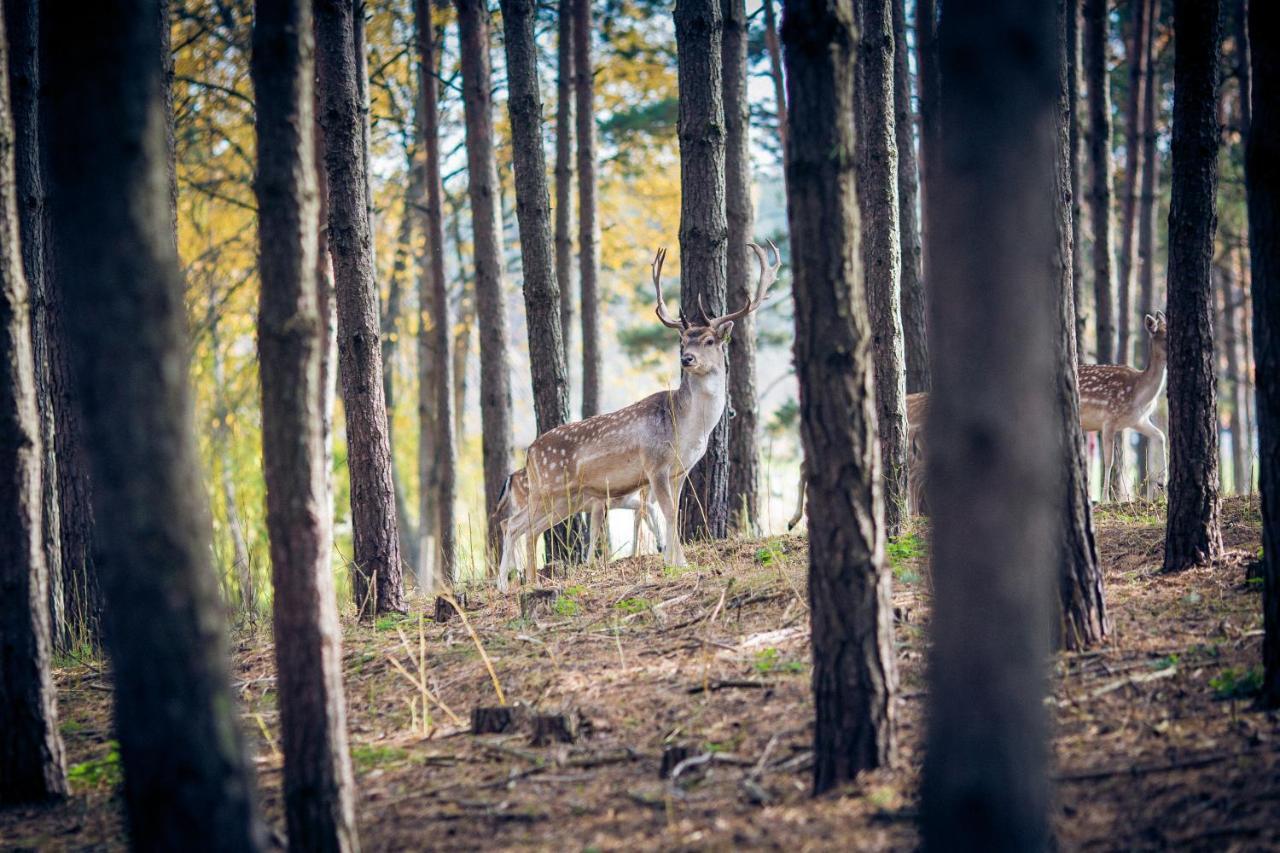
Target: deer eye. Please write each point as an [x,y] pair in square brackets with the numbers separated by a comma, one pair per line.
[706,342]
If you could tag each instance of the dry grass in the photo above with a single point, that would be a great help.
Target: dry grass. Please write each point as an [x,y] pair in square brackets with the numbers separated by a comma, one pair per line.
[715,659]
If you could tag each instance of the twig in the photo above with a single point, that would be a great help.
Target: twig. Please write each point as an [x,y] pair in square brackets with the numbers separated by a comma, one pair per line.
[488,664]
[1134,679]
[728,684]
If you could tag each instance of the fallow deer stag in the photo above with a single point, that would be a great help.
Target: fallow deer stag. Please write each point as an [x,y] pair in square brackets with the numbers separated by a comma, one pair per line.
[653,443]
[1115,397]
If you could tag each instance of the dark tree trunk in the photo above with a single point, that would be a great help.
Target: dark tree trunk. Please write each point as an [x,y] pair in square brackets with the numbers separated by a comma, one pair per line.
[437,473]
[1193,536]
[704,231]
[1100,181]
[484,189]
[318,783]
[744,458]
[1262,164]
[881,251]
[929,85]
[32,762]
[588,260]
[1243,67]
[21,21]
[1083,610]
[775,72]
[1147,199]
[186,775]
[850,602]
[915,342]
[1137,57]
[995,494]
[564,174]
[377,577]
[326,304]
[1075,84]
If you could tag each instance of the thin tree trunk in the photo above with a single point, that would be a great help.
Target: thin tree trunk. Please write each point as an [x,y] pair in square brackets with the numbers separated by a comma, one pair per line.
[1147,200]
[850,601]
[462,341]
[1245,377]
[377,577]
[1137,50]
[1232,301]
[327,308]
[318,782]
[588,260]
[744,456]
[186,774]
[1193,536]
[915,341]
[775,72]
[564,173]
[929,85]
[1075,84]
[1100,180]
[32,760]
[241,566]
[995,513]
[704,231]
[484,190]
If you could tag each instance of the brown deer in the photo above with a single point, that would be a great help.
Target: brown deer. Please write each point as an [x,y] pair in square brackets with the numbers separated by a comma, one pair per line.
[1115,397]
[650,444]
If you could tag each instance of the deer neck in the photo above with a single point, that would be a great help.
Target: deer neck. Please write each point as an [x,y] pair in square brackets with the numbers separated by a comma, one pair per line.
[1152,381]
[699,404]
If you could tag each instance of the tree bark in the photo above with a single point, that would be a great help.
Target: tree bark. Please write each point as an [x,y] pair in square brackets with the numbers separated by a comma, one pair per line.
[1100,180]
[32,760]
[995,495]
[564,174]
[377,577]
[914,338]
[881,248]
[588,260]
[1147,199]
[930,85]
[484,189]
[1262,165]
[1132,168]
[186,774]
[744,458]
[1231,305]
[221,441]
[775,73]
[850,601]
[318,782]
[1075,84]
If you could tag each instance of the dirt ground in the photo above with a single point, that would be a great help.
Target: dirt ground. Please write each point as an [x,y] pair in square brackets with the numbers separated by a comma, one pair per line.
[1157,743]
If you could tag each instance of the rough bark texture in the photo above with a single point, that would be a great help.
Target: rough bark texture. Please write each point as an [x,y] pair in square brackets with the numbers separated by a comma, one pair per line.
[1147,198]
[850,602]
[1075,83]
[326,303]
[914,338]
[588,251]
[929,85]
[484,190]
[995,494]
[775,72]
[704,231]
[881,259]
[1137,57]
[377,577]
[1262,163]
[564,173]
[1100,179]
[744,457]
[32,761]
[437,473]
[318,783]
[1192,536]
[186,775]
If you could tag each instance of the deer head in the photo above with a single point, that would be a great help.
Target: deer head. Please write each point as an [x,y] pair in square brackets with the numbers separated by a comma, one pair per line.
[1157,327]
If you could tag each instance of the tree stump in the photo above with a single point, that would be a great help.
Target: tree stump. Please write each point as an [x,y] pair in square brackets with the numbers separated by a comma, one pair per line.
[671,758]
[537,601]
[554,570]
[444,610]
[493,720]
[554,728]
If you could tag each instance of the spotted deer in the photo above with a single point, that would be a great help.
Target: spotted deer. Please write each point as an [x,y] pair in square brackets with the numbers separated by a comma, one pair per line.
[650,444]
[1115,397]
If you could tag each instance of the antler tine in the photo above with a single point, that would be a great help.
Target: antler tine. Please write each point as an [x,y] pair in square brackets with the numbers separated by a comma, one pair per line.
[768,275]
[661,310]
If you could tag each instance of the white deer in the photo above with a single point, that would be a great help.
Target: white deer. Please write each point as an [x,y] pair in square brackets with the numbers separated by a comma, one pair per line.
[650,444]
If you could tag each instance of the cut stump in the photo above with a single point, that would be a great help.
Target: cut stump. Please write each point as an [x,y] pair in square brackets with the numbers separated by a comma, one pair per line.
[493,720]
[537,601]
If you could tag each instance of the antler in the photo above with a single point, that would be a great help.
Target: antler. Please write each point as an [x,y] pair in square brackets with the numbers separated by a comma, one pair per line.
[768,275]
[656,266]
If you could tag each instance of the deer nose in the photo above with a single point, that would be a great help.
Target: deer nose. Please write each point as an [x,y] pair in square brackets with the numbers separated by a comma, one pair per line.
[686,360]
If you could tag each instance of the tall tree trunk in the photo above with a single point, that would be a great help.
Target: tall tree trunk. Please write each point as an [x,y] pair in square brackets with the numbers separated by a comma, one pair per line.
[318,783]
[1147,199]
[1193,536]
[484,189]
[564,174]
[881,250]
[1100,179]
[377,577]
[995,512]
[221,440]
[438,472]
[775,72]
[1243,68]
[21,20]
[704,231]
[1232,302]
[462,340]
[850,601]
[1075,84]
[744,456]
[32,760]
[327,308]
[930,92]
[186,774]
[1137,50]
[915,342]
[1262,168]
[588,260]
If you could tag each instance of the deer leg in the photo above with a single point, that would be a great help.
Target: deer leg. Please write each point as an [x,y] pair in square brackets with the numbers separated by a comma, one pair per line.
[660,484]
[1153,433]
[804,485]
[651,519]
[599,518]
[635,527]
[1108,442]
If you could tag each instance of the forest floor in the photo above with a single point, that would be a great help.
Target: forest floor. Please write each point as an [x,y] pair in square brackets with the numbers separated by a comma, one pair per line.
[1156,744]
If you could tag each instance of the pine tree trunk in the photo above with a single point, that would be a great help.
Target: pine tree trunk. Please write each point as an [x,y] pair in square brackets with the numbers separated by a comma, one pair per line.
[915,341]
[564,175]
[929,85]
[318,783]
[377,576]
[326,306]
[463,339]
[1095,33]
[1137,51]
[775,72]
[744,457]
[995,511]
[221,441]
[1147,200]
[881,249]
[588,260]
[1193,537]
[186,774]
[484,190]
[704,230]
[1075,83]
[1262,166]
[32,760]
[1232,297]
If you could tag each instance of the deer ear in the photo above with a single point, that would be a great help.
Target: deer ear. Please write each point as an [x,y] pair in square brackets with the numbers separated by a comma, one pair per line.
[726,329]
[1150,323]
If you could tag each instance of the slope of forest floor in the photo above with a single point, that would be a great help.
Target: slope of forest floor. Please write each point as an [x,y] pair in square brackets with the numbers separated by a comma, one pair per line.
[1156,743]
